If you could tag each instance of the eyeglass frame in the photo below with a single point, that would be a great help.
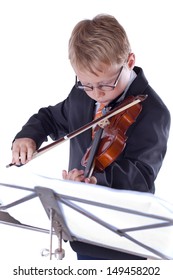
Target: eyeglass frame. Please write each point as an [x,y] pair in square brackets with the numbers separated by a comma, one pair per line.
[90,88]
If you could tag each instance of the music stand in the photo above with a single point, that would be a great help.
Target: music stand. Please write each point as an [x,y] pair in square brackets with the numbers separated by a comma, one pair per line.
[70,207]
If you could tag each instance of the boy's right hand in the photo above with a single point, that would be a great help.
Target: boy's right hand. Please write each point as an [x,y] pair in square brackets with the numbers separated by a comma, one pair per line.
[23,150]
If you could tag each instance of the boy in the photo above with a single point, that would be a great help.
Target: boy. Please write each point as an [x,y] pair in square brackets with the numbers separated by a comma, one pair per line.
[104,65]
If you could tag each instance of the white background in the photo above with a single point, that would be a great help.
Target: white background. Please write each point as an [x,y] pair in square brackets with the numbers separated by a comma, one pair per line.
[35,70]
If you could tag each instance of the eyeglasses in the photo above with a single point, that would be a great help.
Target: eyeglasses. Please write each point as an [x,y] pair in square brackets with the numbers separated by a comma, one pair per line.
[100,87]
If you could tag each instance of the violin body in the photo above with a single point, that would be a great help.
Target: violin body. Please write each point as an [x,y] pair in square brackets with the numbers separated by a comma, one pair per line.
[113,139]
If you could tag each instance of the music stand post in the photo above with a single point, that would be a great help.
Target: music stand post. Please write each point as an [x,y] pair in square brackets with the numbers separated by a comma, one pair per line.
[57,223]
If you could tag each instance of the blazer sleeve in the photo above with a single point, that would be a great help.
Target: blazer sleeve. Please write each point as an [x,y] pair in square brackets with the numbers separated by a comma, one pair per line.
[49,121]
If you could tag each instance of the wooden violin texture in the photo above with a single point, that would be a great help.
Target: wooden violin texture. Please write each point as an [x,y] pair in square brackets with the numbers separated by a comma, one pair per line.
[113,139]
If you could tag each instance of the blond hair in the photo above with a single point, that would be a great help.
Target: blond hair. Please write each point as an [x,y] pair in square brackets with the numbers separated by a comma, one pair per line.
[97,42]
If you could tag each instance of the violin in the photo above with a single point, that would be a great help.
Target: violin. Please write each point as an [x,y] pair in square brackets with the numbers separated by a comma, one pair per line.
[110,139]
[102,122]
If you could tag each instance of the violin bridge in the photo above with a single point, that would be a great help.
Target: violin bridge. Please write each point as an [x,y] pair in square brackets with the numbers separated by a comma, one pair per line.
[104,123]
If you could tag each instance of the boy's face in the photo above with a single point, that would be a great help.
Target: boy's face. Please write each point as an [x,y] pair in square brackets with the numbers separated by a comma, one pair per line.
[94,85]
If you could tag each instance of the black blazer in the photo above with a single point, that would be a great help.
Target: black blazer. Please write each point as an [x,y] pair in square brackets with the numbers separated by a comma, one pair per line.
[137,166]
